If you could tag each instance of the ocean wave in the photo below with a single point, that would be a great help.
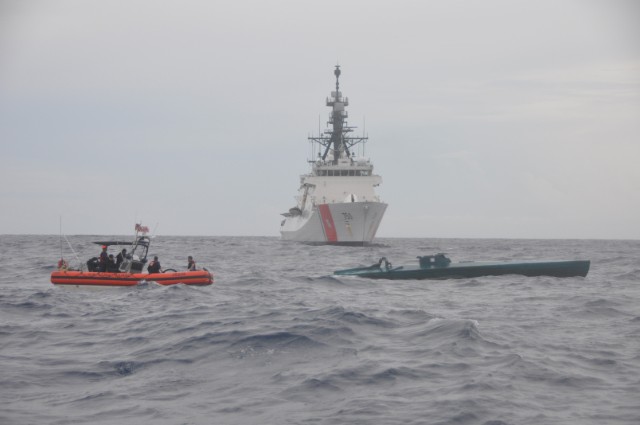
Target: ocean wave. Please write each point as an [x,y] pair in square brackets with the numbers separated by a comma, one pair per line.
[254,279]
[577,381]
[354,317]
[284,341]
[366,373]
[450,329]
[396,373]
[208,340]
[27,306]
[281,341]
[313,385]
[471,283]
[600,308]
[326,279]
[631,275]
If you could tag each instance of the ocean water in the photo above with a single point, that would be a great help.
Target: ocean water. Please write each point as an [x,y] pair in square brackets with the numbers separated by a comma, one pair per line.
[279,340]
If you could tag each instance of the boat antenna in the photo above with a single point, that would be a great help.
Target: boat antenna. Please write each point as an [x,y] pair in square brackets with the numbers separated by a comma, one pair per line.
[364,133]
[60,236]
[74,253]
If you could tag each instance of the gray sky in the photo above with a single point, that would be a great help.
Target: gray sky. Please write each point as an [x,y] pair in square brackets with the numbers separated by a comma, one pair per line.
[515,119]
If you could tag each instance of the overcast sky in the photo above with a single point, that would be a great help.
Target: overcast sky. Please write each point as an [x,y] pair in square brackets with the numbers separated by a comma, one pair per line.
[508,119]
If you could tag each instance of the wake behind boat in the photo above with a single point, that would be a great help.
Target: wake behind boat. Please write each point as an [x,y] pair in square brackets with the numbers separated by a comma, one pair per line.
[127,270]
[440,267]
[336,202]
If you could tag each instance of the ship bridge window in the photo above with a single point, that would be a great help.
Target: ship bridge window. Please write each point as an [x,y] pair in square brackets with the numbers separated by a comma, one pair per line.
[365,172]
[352,172]
[344,172]
[330,172]
[322,172]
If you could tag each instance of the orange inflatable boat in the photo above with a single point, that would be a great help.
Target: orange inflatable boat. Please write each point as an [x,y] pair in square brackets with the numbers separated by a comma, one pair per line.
[127,269]
[74,277]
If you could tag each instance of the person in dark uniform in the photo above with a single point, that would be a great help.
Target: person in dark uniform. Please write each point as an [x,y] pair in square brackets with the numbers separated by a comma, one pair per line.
[191,266]
[103,260]
[154,266]
[120,257]
[111,264]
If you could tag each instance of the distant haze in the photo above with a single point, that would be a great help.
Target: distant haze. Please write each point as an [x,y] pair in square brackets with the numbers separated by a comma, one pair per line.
[499,119]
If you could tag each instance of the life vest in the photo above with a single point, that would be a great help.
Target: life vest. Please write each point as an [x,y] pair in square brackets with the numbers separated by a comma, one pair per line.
[154,267]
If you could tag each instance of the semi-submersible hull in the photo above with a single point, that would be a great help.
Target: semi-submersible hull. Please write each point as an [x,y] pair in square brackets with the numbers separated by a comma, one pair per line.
[440,267]
[336,201]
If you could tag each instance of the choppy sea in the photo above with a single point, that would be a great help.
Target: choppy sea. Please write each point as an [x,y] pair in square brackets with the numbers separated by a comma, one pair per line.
[279,340]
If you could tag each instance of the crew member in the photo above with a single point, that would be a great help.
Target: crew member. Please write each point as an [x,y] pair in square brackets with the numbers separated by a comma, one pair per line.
[63,265]
[103,260]
[154,266]
[191,266]
[111,264]
[120,257]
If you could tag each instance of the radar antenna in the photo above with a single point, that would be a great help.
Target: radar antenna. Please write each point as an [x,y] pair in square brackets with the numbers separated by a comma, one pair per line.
[337,137]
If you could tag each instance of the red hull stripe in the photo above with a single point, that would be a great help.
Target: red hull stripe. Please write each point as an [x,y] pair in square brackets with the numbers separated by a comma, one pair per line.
[327,223]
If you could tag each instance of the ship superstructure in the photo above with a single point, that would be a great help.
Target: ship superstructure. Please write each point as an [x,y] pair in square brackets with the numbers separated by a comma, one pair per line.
[336,201]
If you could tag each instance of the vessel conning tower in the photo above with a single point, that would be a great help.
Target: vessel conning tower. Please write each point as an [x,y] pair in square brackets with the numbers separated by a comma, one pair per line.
[337,137]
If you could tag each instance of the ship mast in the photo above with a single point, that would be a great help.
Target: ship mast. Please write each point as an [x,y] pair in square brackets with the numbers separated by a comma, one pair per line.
[337,137]
[337,119]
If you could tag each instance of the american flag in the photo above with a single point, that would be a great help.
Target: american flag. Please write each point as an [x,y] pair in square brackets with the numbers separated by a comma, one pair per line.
[142,229]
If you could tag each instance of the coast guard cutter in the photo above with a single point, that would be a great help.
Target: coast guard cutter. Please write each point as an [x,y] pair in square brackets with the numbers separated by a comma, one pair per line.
[336,202]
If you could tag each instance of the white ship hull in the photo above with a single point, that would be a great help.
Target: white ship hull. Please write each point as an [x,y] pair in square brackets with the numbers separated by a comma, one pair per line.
[346,223]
